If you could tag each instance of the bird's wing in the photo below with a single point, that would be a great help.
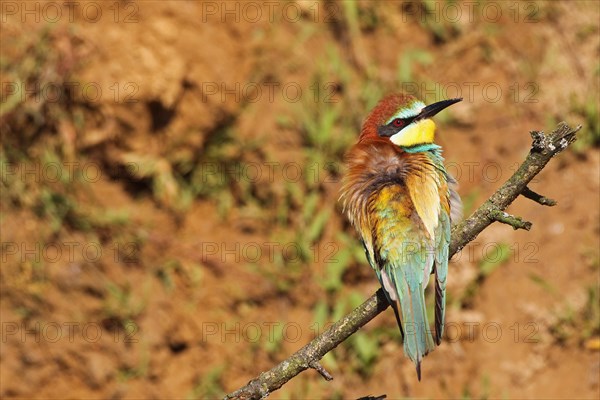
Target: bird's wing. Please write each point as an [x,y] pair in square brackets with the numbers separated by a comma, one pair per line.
[442,239]
[456,209]
[450,212]
[369,253]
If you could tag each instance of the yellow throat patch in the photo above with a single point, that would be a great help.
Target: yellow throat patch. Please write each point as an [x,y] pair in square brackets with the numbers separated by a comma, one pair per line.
[421,132]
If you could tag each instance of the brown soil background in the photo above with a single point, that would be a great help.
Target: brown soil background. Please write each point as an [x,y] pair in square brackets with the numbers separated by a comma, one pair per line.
[177,304]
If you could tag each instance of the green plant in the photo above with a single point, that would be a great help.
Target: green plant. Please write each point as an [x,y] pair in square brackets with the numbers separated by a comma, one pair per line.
[407,60]
[361,350]
[469,201]
[320,323]
[578,324]
[220,173]
[272,343]
[209,386]
[590,318]
[543,283]
[121,304]
[139,371]
[348,253]
[442,29]
[588,113]
[487,265]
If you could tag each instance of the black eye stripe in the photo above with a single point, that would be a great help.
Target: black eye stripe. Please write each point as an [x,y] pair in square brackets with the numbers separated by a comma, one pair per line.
[391,128]
[398,122]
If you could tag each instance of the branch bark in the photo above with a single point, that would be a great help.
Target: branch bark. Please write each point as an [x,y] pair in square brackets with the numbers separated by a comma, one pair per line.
[544,147]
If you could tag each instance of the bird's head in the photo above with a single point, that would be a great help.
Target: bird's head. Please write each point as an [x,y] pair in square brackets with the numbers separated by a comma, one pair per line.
[404,120]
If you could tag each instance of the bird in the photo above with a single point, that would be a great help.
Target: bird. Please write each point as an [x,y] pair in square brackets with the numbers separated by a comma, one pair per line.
[402,202]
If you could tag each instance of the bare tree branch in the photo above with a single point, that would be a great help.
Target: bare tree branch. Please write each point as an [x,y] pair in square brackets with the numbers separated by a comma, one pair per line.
[506,218]
[538,198]
[544,147]
[319,368]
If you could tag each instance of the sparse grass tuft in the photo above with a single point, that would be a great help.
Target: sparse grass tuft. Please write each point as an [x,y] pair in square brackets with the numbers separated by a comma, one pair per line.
[209,386]
[487,266]
[589,115]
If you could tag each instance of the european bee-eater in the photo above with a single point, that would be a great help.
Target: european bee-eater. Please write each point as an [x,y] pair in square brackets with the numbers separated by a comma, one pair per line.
[399,197]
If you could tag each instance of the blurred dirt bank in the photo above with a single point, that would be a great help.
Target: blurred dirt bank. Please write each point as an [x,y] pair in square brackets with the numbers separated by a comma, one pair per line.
[169,213]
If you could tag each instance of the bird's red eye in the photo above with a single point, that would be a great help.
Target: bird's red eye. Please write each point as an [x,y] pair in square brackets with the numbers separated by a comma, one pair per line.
[398,122]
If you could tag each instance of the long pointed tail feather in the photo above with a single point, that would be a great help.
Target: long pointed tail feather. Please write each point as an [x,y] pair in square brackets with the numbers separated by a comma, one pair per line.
[440,308]
[418,340]
[394,305]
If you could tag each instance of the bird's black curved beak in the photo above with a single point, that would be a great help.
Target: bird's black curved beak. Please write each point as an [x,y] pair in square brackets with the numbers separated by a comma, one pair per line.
[432,109]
